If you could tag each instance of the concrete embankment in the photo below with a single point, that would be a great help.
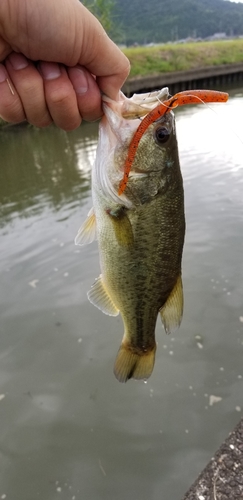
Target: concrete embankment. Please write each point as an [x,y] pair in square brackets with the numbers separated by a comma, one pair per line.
[222,479]
[211,77]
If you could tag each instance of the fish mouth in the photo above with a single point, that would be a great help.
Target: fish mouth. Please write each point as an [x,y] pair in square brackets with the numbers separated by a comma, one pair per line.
[138,105]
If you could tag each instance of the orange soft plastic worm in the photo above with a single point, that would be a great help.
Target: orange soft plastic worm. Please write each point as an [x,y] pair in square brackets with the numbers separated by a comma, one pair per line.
[180,99]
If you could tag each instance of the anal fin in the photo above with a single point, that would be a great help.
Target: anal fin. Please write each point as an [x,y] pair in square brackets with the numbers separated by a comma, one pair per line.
[100,298]
[172,311]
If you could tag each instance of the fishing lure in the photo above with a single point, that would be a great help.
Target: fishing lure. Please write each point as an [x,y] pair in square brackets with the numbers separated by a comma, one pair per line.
[179,99]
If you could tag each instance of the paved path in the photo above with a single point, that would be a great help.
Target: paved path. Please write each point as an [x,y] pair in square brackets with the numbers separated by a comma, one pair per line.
[222,479]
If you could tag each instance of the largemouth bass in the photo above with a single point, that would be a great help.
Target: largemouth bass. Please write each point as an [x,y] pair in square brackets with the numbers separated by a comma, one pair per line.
[140,228]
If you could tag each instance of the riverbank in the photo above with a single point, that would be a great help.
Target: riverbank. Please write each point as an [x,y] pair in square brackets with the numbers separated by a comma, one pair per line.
[220,76]
[184,66]
[168,58]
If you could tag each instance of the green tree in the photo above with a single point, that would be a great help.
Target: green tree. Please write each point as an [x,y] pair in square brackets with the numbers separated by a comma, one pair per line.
[103,10]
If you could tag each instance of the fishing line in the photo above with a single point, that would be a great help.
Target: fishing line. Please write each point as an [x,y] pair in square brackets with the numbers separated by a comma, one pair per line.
[233,132]
[152,96]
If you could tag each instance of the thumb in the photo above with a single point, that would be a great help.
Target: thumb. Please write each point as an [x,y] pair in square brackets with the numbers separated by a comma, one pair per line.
[101,56]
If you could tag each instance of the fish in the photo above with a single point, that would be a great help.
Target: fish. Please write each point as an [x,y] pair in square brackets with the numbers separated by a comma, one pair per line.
[139,222]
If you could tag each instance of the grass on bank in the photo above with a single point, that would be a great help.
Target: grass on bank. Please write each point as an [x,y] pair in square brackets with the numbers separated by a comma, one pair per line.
[148,61]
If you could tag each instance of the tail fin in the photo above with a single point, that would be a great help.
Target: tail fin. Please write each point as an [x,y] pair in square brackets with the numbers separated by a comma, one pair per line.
[132,363]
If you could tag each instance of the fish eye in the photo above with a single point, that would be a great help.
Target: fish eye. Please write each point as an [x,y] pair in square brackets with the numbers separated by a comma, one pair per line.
[162,135]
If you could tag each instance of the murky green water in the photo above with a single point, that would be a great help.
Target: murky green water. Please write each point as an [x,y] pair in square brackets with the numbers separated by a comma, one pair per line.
[68,429]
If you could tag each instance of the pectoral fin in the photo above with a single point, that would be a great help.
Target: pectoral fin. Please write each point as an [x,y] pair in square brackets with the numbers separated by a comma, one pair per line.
[172,310]
[87,232]
[122,227]
[100,298]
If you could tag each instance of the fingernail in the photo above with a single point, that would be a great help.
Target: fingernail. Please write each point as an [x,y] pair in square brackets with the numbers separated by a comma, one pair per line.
[3,74]
[79,80]
[18,61]
[49,70]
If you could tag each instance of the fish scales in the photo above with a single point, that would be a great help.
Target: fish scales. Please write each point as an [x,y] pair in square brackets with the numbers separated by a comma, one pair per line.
[146,273]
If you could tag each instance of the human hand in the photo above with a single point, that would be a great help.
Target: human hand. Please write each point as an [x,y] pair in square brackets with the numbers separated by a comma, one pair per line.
[55,59]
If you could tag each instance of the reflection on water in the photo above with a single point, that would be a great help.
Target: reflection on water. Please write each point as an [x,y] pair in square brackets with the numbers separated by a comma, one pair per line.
[44,167]
[68,428]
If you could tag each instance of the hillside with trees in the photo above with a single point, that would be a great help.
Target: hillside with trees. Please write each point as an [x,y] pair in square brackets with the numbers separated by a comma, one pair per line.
[155,21]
